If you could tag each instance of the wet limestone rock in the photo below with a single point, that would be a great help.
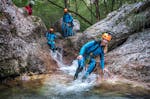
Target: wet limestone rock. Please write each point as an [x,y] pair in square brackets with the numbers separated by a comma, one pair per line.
[131,60]
[23,47]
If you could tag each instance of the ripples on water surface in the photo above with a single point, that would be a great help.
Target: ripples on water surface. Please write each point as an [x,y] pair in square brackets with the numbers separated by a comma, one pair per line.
[61,86]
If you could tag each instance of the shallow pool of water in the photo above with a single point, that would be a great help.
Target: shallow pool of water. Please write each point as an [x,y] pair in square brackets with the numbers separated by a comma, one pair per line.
[61,86]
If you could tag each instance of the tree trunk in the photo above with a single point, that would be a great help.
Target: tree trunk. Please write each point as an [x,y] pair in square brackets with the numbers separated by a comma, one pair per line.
[120,3]
[97,9]
[105,4]
[112,5]
[76,6]
[88,8]
[91,12]
[65,3]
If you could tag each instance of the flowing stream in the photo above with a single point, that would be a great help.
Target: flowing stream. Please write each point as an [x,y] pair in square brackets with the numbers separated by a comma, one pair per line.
[62,86]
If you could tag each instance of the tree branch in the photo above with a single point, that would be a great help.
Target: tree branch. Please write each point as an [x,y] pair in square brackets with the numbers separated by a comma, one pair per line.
[83,18]
[88,8]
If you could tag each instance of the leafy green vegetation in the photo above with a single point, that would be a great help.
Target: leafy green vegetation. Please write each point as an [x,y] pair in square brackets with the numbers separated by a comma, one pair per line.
[20,3]
[50,13]
[1,14]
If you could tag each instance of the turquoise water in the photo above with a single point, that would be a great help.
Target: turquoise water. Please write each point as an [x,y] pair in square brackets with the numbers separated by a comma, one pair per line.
[23,93]
[62,86]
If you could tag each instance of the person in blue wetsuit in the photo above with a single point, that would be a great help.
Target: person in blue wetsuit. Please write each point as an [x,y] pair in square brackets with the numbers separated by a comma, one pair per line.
[67,24]
[88,52]
[51,39]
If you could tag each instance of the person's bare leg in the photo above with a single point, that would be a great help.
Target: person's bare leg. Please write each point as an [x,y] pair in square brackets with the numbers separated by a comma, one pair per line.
[107,71]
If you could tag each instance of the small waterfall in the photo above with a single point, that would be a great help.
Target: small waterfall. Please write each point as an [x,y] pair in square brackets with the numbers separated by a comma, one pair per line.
[71,87]
[57,55]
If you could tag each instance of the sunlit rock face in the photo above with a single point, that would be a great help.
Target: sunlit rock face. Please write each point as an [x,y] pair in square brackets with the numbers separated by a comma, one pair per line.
[23,47]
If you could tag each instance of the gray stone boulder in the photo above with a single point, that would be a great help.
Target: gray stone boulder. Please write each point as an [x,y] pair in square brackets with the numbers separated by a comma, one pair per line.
[132,59]
[23,47]
[122,23]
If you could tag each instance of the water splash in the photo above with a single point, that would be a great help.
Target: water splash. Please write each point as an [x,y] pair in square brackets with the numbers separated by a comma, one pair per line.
[71,87]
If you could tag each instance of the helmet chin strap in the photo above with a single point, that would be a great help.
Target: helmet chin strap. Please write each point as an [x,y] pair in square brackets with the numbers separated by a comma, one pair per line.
[103,45]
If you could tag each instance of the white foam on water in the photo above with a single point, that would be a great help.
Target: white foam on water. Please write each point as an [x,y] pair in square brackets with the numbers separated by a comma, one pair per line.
[70,69]
[74,86]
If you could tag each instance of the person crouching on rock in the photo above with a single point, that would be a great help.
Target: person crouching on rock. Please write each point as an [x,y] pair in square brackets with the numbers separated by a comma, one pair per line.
[51,39]
[28,9]
[88,52]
